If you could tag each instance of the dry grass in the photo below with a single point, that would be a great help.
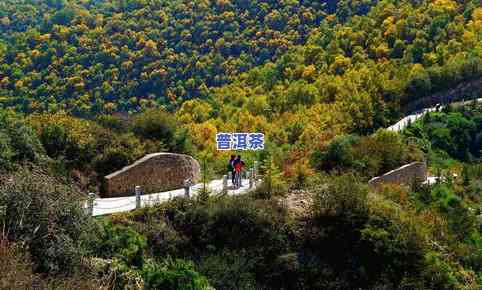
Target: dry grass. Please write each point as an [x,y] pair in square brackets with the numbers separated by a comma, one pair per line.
[16,270]
[299,204]
[17,273]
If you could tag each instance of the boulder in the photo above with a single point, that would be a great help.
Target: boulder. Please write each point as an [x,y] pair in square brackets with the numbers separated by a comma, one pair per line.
[402,175]
[155,172]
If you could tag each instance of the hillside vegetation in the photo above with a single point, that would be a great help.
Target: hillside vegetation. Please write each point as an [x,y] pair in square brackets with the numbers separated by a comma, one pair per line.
[397,237]
[89,86]
[356,76]
[103,56]
[350,78]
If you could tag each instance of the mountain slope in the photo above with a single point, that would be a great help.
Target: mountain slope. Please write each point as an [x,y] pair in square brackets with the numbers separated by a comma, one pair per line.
[358,76]
[103,56]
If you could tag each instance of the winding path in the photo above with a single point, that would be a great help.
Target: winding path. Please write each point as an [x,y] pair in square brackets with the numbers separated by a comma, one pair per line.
[105,206]
[400,125]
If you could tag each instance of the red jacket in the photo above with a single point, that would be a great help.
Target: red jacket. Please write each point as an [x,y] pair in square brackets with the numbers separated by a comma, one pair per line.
[238,165]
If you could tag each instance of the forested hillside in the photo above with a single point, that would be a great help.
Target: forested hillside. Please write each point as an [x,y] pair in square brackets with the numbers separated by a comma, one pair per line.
[358,75]
[349,78]
[105,56]
[345,235]
[353,74]
[89,86]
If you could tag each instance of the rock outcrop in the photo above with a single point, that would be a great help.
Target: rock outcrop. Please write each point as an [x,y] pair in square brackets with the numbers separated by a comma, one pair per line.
[402,175]
[155,172]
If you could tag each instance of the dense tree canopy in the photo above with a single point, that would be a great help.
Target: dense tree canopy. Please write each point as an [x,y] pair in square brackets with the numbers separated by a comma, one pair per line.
[458,132]
[329,69]
[319,78]
[103,56]
[353,77]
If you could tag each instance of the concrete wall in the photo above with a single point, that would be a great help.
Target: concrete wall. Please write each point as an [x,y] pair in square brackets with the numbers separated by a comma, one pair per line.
[405,174]
[156,172]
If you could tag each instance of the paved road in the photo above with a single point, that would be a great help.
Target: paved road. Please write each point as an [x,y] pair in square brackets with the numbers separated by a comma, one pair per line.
[104,206]
[400,125]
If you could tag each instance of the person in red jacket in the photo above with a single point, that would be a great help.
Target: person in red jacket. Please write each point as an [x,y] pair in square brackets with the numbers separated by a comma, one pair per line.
[238,168]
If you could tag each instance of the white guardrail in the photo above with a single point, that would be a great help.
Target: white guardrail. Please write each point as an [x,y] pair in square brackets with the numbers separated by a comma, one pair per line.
[97,206]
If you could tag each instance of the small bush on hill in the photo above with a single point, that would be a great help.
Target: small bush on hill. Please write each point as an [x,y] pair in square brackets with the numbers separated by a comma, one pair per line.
[172,274]
[161,128]
[454,131]
[274,183]
[123,243]
[18,142]
[48,217]
[17,273]
[66,137]
[369,155]
[230,270]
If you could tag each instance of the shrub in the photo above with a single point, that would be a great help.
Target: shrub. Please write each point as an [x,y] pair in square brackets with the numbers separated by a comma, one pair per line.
[438,273]
[18,142]
[46,215]
[274,183]
[17,272]
[369,155]
[162,127]
[66,137]
[120,275]
[243,224]
[392,242]
[455,132]
[112,160]
[164,240]
[390,148]
[301,174]
[344,196]
[255,231]
[338,154]
[230,270]
[172,274]
[116,150]
[366,239]
[121,242]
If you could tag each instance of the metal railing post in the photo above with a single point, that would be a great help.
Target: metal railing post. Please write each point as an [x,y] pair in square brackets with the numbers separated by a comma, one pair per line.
[255,169]
[90,210]
[225,184]
[251,178]
[138,196]
[187,188]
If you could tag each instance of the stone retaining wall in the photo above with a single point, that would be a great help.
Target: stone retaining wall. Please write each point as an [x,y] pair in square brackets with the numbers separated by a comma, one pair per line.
[156,172]
[405,174]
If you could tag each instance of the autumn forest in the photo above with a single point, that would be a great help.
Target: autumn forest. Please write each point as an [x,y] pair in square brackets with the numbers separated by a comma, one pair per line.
[90,86]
